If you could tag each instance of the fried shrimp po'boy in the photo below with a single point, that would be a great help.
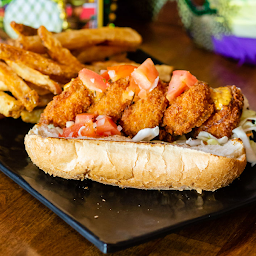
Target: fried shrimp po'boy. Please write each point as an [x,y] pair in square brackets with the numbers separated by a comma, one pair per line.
[101,127]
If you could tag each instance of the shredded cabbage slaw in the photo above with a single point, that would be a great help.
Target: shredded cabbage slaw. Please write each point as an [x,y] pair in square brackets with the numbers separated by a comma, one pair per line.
[243,131]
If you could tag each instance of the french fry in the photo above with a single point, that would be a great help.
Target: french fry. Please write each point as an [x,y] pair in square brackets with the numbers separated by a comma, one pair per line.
[56,51]
[3,86]
[45,99]
[19,89]
[121,57]
[34,76]
[164,72]
[9,106]
[109,63]
[23,30]
[37,62]
[99,52]
[31,117]
[74,39]
[40,90]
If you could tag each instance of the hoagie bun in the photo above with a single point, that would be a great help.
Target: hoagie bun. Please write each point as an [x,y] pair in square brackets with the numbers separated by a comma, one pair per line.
[144,165]
[97,127]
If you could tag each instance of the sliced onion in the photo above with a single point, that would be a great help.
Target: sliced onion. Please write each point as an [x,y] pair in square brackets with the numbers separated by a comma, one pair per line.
[101,122]
[69,123]
[111,73]
[102,71]
[131,93]
[60,131]
[99,117]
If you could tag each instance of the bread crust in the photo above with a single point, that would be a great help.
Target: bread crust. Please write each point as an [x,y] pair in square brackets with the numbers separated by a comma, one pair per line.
[142,165]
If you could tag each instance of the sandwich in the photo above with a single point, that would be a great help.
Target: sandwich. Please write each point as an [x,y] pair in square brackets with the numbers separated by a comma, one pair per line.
[128,128]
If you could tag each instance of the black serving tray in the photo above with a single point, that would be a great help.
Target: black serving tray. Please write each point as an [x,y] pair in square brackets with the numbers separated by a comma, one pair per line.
[110,217]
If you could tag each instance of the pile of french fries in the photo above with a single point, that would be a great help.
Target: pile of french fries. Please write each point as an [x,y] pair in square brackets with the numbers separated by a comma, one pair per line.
[37,65]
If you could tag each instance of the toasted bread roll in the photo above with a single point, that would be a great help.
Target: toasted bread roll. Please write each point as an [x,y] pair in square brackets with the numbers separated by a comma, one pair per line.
[143,165]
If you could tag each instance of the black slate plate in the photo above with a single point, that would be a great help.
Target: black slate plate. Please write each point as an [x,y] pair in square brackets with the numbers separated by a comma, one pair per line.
[113,218]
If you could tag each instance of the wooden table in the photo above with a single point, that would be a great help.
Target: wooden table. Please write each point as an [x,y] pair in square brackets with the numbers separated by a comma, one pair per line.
[27,227]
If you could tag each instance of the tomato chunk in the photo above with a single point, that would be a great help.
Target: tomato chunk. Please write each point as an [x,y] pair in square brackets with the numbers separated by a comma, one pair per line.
[133,86]
[77,130]
[85,125]
[146,75]
[88,130]
[105,76]
[106,127]
[84,118]
[92,80]
[181,80]
[71,131]
[121,71]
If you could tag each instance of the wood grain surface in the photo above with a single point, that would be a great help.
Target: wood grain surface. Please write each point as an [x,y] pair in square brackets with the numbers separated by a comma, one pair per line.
[27,227]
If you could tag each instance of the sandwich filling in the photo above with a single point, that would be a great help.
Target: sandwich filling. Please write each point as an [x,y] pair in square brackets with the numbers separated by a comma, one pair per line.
[131,103]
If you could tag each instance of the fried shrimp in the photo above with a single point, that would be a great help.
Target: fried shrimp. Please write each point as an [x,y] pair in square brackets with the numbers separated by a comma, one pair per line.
[114,100]
[64,107]
[223,121]
[190,109]
[145,113]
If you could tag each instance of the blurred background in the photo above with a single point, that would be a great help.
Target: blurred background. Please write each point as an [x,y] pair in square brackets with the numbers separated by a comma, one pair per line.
[58,15]
[226,27]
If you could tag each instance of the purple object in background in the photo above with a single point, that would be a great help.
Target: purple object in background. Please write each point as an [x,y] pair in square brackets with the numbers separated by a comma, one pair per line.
[242,49]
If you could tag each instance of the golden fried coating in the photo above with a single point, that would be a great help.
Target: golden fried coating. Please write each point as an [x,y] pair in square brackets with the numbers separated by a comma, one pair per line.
[145,113]
[65,106]
[223,121]
[165,136]
[113,102]
[191,109]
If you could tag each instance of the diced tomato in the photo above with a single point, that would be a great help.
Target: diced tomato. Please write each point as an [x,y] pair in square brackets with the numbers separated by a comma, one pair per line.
[133,86]
[88,130]
[85,126]
[106,127]
[105,76]
[71,131]
[84,118]
[146,75]
[121,71]
[142,94]
[92,80]
[181,80]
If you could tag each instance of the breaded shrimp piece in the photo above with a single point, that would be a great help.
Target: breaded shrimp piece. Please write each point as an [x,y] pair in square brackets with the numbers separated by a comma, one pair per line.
[64,107]
[165,136]
[145,113]
[114,100]
[223,121]
[189,110]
